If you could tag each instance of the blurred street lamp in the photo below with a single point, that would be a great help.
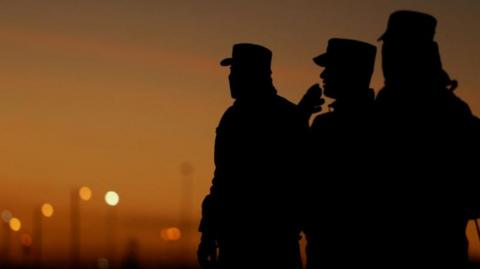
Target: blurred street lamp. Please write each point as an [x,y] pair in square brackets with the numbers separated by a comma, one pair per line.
[26,243]
[112,198]
[44,211]
[103,263]
[83,193]
[171,234]
[47,210]
[15,224]
[6,216]
[26,240]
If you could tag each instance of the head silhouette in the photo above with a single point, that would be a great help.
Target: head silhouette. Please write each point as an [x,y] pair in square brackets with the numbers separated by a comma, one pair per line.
[250,73]
[348,67]
[410,56]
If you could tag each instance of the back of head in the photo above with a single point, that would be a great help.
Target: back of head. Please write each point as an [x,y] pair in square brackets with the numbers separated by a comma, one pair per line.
[406,26]
[410,55]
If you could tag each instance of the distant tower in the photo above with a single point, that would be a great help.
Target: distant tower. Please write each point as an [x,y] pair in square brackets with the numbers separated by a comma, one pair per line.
[186,206]
[186,203]
[6,240]
[74,228]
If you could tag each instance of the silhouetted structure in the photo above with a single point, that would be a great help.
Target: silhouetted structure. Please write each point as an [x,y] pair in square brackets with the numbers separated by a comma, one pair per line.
[5,245]
[251,213]
[426,151]
[339,201]
[131,260]
[74,229]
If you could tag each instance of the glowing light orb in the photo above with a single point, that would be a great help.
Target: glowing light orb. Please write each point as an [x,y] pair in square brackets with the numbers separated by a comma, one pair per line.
[85,193]
[15,224]
[171,234]
[103,263]
[112,198]
[47,210]
[26,240]
[6,216]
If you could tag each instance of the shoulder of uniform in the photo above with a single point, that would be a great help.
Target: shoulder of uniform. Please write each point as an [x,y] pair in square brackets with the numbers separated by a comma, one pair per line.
[229,113]
[227,117]
[457,105]
[382,94]
[283,102]
[322,119]
[461,104]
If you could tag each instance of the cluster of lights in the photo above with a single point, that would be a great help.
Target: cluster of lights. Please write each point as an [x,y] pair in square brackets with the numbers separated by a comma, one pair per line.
[84,193]
[111,198]
[14,223]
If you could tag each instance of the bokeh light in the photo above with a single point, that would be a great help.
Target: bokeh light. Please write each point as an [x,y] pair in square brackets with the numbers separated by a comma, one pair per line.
[171,234]
[47,210]
[15,224]
[6,216]
[103,263]
[112,198]
[26,240]
[85,193]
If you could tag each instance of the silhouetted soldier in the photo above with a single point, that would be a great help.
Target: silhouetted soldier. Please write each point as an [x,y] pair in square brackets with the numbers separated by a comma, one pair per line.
[427,140]
[251,213]
[338,219]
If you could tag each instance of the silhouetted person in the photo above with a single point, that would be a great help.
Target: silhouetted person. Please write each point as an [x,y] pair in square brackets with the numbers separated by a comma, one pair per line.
[338,219]
[427,140]
[251,213]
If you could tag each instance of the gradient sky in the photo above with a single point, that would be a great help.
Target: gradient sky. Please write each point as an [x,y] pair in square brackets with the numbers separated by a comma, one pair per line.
[117,94]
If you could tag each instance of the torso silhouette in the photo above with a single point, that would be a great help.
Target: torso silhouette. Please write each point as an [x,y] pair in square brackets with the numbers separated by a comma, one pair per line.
[340,203]
[427,140]
[252,207]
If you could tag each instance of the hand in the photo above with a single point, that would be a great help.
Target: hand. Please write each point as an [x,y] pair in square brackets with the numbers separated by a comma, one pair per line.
[207,252]
[312,101]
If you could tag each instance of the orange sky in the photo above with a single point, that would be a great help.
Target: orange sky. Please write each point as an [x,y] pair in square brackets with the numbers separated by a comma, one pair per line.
[117,94]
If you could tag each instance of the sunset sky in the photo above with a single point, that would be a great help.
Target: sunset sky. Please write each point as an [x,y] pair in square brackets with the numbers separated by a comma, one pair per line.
[117,94]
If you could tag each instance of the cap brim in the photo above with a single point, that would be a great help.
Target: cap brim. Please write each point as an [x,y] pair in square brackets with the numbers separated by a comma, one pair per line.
[226,62]
[321,60]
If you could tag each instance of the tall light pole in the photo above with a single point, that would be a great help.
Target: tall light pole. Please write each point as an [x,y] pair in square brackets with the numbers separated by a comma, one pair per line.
[74,228]
[44,211]
[15,224]
[77,194]
[26,243]
[111,199]
[186,170]
[5,251]
[186,204]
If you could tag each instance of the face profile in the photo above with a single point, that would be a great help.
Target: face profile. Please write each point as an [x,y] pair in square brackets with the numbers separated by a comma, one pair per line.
[334,83]
[250,70]
[348,64]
